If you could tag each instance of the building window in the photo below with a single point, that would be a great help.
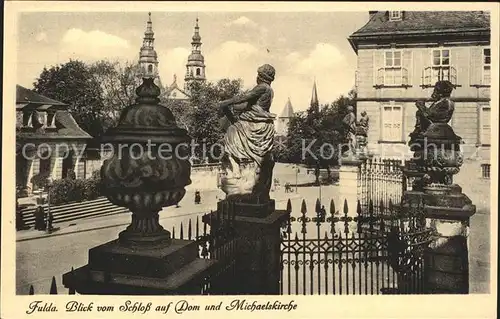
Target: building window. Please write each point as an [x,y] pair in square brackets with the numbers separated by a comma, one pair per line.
[440,65]
[395,15]
[393,73]
[485,170]
[198,71]
[487,66]
[392,119]
[150,69]
[485,127]
[440,69]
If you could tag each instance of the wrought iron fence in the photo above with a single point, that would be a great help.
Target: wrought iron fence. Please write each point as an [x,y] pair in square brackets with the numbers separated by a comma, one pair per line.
[382,182]
[333,253]
[216,240]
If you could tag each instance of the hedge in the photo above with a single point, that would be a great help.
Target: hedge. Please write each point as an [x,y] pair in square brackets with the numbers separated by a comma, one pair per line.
[74,190]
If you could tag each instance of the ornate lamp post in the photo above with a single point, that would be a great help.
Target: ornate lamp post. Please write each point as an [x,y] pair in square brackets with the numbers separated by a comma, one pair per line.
[49,213]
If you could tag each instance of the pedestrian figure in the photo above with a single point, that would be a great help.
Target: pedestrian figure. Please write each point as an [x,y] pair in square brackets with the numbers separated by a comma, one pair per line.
[197,197]
[71,174]
[39,218]
[323,213]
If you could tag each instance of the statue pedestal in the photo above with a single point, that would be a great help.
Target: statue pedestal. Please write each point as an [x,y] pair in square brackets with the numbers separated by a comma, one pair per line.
[447,211]
[258,248]
[114,269]
[349,178]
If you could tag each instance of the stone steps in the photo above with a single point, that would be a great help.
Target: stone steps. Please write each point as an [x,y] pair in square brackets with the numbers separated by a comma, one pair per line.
[69,212]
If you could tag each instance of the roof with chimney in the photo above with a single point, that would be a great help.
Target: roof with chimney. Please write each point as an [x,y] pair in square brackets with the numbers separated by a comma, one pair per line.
[423,23]
[30,104]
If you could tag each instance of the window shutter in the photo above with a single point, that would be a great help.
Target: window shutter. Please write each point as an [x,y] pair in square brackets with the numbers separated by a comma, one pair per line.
[408,65]
[476,65]
[486,126]
[378,62]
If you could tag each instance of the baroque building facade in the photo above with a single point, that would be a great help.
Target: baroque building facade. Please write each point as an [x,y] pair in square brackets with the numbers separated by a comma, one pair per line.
[402,54]
[49,142]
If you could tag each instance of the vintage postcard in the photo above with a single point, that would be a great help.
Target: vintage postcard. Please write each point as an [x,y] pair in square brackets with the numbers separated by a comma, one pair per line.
[264,159]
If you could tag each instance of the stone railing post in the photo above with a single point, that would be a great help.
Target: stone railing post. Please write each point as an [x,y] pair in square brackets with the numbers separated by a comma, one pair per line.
[437,157]
[258,254]
[447,259]
[349,183]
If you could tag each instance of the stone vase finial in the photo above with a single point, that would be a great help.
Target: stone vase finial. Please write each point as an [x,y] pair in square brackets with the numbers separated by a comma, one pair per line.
[149,168]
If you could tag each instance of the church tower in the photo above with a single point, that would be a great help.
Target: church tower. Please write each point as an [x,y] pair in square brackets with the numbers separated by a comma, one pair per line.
[284,119]
[314,98]
[148,59]
[195,67]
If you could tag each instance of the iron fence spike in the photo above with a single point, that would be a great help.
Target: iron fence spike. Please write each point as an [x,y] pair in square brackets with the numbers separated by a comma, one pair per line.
[289,206]
[53,286]
[303,209]
[32,290]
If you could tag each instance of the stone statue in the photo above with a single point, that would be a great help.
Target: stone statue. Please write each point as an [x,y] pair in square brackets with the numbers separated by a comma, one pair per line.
[440,111]
[436,147]
[248,140]
[362,134]
[363,124]
[349,122]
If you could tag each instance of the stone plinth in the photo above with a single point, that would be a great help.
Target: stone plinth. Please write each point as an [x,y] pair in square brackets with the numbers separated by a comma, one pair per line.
[258,249]
[115,269]
[447,211]
[349,178]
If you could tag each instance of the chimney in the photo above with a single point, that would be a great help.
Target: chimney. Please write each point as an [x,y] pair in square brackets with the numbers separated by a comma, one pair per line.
[371,14]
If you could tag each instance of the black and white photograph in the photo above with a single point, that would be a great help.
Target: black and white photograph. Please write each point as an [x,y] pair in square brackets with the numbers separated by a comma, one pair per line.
[254,153]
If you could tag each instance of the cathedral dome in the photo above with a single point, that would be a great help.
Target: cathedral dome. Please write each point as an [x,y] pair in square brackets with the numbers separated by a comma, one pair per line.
[196,57]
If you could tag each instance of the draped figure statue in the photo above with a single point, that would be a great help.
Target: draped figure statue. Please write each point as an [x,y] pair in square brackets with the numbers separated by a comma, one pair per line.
[248,140]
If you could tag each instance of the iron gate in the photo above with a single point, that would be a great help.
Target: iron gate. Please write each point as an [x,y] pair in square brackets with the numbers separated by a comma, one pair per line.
[333,253]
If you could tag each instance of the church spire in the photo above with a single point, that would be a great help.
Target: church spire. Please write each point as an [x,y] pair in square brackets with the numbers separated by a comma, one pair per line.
[148,59]
[314,98]
[195,67]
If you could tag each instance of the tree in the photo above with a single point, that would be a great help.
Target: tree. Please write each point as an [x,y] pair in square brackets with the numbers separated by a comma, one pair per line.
[205,117]
[315,137]
[74,84]
[118,83]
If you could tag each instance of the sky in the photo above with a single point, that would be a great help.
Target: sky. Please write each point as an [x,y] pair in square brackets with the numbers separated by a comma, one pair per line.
[302,46]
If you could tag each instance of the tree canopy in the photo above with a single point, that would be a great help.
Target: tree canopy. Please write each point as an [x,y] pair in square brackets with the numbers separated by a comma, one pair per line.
[74,84]
[204,115]
[96,93]
[315,137]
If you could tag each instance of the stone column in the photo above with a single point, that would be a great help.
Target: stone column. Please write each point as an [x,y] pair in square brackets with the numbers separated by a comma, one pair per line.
[258,252]
[448,213]
[349,184]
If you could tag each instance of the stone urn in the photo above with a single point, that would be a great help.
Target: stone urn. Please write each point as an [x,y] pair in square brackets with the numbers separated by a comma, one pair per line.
[437,156]
[149,166]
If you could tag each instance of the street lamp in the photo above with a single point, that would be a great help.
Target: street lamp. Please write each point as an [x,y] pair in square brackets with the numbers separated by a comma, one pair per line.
[297,170]
[48,228]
